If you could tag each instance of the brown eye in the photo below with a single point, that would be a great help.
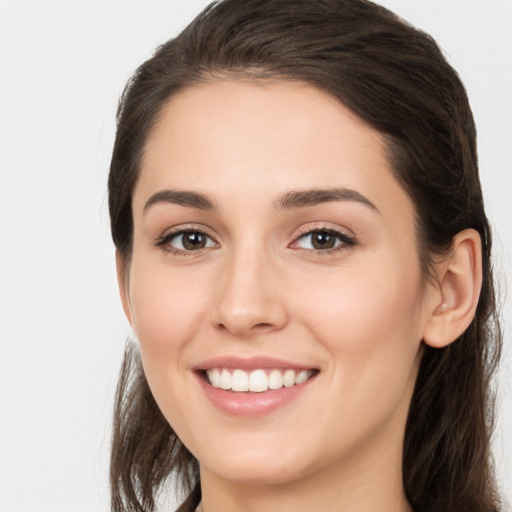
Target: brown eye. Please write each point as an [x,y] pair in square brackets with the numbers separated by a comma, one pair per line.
[187,241]
[323,240]
[193,240]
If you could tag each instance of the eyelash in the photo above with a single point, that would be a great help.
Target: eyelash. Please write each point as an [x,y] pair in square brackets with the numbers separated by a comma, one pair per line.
[164,241]
[345,240]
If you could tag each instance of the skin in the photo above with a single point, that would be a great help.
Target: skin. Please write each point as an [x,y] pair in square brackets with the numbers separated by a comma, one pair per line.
[358,314]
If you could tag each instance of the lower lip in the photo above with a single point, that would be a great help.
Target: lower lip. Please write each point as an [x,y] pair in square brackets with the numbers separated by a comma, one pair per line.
[252,404]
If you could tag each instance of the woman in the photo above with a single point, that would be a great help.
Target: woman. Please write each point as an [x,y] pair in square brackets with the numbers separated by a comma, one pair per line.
[304,257]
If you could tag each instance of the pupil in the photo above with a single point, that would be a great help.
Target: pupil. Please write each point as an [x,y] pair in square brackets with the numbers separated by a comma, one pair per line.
[194,241]
[323,240]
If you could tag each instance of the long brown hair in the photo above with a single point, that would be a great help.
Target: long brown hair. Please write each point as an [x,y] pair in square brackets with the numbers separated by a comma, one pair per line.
[395,78]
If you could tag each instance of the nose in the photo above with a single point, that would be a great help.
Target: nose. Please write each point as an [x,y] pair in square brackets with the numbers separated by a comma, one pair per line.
[249,299]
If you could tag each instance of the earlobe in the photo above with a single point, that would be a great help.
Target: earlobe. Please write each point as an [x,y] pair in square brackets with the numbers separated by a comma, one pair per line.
[122,282]
[460,282]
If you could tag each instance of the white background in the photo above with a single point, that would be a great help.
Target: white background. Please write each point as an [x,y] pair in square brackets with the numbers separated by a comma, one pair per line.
[63,65]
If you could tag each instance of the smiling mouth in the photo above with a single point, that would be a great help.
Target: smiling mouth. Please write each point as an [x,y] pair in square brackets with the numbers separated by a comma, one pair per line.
[256,381]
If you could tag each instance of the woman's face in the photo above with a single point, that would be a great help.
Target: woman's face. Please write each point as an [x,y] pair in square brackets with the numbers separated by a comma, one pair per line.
[273,245]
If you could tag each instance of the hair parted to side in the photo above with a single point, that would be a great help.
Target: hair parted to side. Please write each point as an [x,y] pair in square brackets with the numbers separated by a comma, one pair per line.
[395,78]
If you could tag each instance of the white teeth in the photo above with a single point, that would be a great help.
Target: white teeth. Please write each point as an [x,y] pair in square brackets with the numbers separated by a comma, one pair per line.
[301,377]
[256,381]
[225,379]
[214,377]
[275,380]
[240,381]
[289,378]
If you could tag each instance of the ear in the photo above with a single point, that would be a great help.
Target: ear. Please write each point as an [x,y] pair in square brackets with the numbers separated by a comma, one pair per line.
[460,281]
[122,282]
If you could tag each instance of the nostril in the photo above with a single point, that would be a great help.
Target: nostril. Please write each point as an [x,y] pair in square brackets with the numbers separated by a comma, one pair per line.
[259,327]
[262,325]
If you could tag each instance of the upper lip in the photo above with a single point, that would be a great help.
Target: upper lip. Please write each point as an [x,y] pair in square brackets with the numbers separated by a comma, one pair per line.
[249,363]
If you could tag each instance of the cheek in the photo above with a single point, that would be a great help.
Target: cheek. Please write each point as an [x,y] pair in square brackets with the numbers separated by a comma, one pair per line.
[368,325]
[370,322]
[167,309]
[376,296]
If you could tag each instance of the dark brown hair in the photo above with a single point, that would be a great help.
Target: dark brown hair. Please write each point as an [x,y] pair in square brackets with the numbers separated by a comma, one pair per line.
[395,78]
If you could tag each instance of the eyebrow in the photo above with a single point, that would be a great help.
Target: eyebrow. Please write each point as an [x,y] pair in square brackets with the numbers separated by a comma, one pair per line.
[289,201]
[183,198]
[312,197]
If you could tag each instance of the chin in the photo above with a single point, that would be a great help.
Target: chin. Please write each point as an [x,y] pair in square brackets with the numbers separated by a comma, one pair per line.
[258,463]
[267,471]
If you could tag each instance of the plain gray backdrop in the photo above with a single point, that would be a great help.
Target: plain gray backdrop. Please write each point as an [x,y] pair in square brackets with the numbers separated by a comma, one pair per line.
[63,65]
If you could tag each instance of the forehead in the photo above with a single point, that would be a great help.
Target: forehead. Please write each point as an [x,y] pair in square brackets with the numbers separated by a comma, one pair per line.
[226,137]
